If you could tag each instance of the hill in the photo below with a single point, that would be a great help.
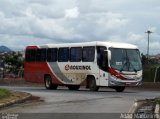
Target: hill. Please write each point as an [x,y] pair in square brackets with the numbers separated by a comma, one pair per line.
[4,49]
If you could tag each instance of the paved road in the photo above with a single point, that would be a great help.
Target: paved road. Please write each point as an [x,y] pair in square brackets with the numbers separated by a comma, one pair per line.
[82,101]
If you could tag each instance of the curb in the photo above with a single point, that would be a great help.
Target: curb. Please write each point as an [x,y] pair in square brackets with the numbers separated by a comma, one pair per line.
[19,98]
[141,103]
[157,111]
[157,108]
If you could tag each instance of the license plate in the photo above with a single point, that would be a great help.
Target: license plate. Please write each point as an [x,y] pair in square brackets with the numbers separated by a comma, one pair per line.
[128,83]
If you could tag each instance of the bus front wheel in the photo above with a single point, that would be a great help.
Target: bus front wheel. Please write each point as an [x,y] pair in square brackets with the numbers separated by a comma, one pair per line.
[92,84]
[49,84]
[120,88]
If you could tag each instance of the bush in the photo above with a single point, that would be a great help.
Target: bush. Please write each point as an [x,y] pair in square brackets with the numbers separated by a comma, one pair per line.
[149,73]
[4,93]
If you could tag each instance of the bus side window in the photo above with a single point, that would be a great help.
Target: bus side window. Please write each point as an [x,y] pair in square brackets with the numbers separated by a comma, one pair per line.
[88,54]
[102,59]
[52,54]
[41,55]
[63,54]
[30,55]
[75,54]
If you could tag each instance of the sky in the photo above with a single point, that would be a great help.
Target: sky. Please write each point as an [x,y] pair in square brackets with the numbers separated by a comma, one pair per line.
[26,22]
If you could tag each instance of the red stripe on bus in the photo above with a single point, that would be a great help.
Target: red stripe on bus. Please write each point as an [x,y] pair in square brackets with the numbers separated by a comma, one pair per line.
[34,72]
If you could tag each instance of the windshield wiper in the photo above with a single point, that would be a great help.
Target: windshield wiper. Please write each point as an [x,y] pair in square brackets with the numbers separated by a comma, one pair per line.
[128,64]
[123,66]
[133,67]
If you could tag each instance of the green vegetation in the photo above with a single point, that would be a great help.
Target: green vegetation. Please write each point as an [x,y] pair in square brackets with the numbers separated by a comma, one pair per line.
[4,93]
[14,61]
[149,69]
[149,73]
[13,64]
[157,100]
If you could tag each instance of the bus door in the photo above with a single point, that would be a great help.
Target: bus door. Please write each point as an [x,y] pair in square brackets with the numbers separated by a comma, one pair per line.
[102,62]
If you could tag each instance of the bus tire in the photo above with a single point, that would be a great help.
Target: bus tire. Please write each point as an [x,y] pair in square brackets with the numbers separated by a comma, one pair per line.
[73,87]
[48,83]
[92,84]
[120,88]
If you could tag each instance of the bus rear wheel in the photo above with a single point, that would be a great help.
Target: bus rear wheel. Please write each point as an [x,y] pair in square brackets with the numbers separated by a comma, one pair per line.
[48,83]
[120,88]
[92,84]
[74,87]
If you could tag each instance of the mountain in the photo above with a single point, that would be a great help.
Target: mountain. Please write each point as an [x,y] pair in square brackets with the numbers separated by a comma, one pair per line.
[4,49]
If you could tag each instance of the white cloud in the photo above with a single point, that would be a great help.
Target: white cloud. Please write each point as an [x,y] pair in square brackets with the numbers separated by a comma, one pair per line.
[72,13]
[134,38]
[112,21]
[1,14]
[79,20]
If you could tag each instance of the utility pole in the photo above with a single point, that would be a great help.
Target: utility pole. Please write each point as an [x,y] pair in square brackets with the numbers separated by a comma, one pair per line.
[148,32]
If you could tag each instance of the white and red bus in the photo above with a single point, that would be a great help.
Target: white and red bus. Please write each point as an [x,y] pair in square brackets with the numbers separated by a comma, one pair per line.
[93,64]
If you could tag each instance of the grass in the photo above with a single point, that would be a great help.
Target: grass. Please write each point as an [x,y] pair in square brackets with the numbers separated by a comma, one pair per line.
[4,93]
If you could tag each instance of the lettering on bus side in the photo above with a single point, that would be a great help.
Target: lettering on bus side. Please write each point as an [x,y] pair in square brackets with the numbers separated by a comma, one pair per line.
[77,67]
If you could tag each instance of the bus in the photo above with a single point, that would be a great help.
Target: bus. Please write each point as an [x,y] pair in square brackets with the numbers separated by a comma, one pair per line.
[89,64]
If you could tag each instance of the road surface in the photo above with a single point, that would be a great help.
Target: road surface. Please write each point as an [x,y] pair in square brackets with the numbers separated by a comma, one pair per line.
[63,100]
[82,101]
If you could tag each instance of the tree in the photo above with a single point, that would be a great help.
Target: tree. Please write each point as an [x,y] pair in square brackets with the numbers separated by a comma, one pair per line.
[14,62]
[144,59]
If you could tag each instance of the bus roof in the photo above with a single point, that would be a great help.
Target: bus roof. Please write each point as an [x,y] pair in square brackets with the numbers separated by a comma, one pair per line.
[96,43]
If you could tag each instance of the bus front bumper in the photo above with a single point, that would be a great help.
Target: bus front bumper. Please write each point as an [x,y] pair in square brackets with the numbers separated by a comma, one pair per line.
[118,82]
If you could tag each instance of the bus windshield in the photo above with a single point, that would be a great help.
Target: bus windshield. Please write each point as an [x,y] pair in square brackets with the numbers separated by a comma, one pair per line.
[125,59]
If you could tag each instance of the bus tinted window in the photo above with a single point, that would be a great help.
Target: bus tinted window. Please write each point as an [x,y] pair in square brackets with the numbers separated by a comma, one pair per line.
[76,54]
[88,54]
[52,54]
[102,59]
[41,55]
[63,54]
[30,55]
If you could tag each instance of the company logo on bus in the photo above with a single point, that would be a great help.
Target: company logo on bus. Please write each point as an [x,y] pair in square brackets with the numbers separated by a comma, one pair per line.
[66,67]
[77,67]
